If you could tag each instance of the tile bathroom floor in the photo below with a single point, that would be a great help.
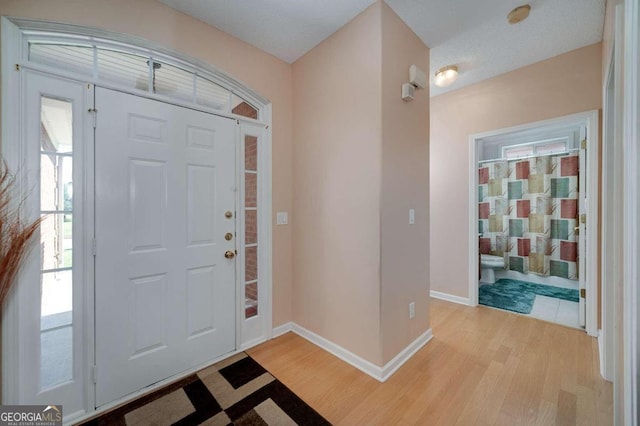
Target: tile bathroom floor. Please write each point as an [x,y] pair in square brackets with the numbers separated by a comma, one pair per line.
[555,310]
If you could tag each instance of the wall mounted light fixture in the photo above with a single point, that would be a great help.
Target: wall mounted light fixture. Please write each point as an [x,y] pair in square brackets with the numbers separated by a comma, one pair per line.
[417,77]
[408,92]
[445,76]
[417,80]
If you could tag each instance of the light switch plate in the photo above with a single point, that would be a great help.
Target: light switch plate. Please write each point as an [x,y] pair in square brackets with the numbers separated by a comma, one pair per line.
[282,218]
[412,216]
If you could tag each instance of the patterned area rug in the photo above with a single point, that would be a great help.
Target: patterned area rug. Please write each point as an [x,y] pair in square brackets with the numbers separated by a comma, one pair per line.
[518,296]
[236,391]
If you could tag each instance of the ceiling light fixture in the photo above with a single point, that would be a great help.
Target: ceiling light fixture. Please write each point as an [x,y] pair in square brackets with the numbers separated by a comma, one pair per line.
[445,76]
[519,14]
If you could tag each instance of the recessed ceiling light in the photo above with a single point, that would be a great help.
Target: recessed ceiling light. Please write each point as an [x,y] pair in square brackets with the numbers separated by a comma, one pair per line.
[445,76]
[519,14]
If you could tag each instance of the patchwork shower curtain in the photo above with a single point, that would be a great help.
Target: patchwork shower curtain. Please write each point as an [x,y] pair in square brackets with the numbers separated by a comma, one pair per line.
[528,210]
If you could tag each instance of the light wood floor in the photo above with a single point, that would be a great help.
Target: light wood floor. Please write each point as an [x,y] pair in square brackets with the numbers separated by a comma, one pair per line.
[482,367]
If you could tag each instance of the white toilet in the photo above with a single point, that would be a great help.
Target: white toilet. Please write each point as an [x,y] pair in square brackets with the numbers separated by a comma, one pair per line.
[488,265]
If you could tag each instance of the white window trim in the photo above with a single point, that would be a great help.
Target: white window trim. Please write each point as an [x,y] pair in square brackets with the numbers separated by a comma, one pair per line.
[12,51]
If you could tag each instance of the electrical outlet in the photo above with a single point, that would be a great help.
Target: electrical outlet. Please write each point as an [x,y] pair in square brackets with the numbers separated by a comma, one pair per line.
[412,310]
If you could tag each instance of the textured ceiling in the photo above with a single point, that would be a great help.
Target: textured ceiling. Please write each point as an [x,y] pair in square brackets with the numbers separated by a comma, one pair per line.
[472,34]
[476,36]
[286,29]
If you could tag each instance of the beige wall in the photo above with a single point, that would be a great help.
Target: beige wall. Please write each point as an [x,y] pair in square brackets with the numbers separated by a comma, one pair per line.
[264,73]
[405,185]
[562,85]
[337,173]
[360,162]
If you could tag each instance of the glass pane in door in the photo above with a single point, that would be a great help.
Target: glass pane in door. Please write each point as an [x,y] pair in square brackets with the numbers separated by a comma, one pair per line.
[56,242]
[56,337]
[56,129]
[251,225]
[56,187]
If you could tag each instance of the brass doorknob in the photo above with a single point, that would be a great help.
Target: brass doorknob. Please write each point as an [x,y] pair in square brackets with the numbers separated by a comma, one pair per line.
[229,254]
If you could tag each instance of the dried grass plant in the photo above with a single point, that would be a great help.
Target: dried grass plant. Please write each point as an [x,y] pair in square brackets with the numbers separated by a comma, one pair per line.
[15,232]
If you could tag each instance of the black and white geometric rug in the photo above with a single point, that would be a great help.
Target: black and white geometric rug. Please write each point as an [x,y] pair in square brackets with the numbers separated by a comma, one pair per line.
[236,391]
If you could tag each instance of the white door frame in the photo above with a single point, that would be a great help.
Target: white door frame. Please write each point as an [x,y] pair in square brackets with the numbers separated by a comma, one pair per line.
[588,119]
[14,58]
[612,183]
[249,330]
[631,298]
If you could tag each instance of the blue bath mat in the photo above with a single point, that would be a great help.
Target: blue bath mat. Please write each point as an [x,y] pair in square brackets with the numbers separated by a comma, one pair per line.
[518,296]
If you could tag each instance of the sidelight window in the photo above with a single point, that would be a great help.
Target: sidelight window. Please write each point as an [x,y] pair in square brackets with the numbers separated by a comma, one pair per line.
[251,225]
[56,242]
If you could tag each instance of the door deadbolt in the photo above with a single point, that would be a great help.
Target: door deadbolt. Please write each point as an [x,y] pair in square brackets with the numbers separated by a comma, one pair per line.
[229,254]
[228,214]
[228,236]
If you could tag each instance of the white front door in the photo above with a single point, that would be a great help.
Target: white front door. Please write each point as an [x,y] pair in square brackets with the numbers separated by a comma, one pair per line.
[164,201]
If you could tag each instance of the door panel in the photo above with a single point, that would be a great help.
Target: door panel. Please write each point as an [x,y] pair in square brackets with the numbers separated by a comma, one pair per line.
[165,293]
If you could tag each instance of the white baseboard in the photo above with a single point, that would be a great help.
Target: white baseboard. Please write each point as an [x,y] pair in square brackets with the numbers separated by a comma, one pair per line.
[406,354]
[450,298]
[281,329]
[379,373]
[361,364]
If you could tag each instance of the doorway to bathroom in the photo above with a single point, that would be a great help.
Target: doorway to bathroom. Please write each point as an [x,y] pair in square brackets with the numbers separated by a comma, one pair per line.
[534,214]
